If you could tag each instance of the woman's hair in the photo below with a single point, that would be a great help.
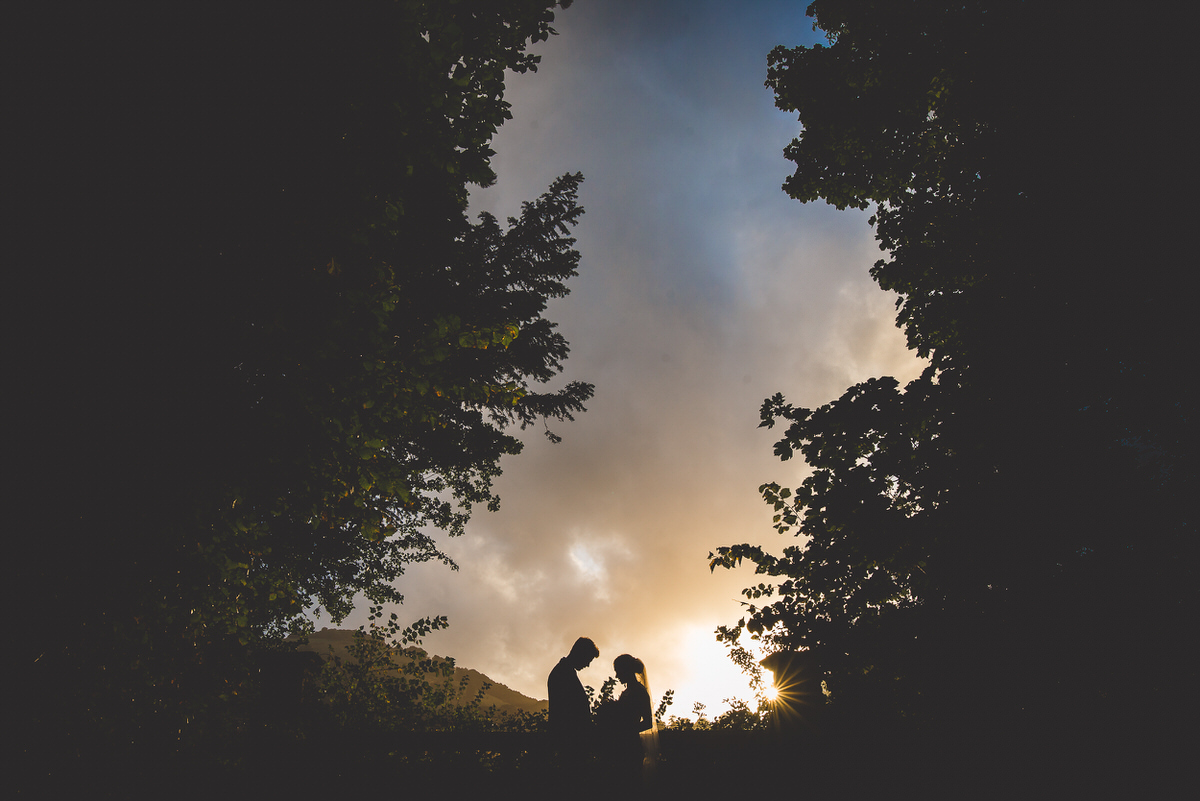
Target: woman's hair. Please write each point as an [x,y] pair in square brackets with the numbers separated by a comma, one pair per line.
[631,662]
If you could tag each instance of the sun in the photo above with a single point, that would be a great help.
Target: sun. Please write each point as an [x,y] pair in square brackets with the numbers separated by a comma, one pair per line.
[709,675]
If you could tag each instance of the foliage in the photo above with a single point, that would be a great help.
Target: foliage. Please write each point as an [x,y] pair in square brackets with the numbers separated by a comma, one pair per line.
[660,712]
[383,689]
[605,696]
[740,717]
[744,660]
[702,723]
[284,356]
[988,512]
[373,689]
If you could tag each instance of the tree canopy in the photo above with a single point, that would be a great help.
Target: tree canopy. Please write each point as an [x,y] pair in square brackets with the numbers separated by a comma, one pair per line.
[1009,535]
[263,355]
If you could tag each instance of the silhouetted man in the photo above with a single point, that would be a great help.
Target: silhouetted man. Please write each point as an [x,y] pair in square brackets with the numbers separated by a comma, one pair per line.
[570,713]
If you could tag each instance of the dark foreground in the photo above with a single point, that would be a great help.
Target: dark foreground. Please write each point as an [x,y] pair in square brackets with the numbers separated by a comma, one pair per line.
[713,764]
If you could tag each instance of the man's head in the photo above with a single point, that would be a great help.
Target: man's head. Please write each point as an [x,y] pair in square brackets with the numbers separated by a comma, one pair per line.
[582,653]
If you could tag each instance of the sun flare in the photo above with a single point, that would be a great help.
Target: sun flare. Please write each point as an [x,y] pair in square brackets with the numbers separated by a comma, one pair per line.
[709,676]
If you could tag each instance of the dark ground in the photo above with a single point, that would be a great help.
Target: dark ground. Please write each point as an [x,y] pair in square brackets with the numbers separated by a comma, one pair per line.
[694,765]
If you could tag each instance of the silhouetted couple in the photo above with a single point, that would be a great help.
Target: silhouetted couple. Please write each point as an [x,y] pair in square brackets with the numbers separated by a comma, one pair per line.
[623,734]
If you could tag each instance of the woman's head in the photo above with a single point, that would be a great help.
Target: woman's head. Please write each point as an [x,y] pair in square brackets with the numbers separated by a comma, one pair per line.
[627,667]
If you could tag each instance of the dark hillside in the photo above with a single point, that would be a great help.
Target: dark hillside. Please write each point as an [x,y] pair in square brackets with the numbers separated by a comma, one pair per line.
[507,701]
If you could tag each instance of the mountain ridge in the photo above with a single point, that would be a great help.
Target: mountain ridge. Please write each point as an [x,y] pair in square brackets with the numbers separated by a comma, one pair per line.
[336,642]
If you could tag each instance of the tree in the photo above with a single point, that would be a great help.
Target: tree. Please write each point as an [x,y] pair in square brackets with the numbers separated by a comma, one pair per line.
[740,717]
[963,538]
[258,331]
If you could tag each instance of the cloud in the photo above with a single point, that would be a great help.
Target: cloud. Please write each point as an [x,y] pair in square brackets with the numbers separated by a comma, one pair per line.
[702,290]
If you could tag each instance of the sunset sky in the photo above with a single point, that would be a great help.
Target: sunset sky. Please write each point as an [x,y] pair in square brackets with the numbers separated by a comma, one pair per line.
[703,289]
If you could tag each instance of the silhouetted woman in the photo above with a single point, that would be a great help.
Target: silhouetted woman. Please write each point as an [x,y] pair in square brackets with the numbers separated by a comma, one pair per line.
[627,724]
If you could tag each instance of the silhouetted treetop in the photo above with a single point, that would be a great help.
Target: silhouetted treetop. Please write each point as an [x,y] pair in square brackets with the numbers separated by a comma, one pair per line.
[958,531]
[258,331]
